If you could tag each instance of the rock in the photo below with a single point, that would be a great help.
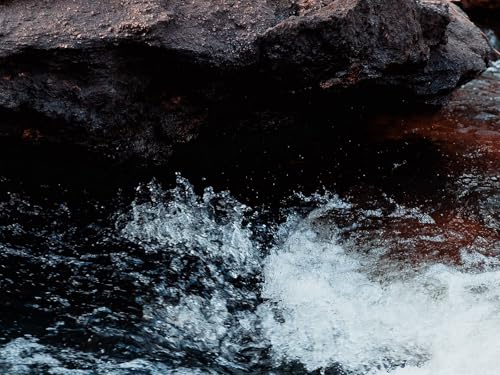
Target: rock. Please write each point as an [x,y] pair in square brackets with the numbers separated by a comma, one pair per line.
[487,4]
[137,77]
[487,18]
[422,51]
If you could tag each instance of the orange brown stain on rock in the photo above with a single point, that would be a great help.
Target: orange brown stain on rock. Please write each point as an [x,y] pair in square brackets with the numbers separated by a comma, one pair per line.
[469,142]
[173,102]
[443,242]
[455,133]
[72,85]
[31,134]
[468,125]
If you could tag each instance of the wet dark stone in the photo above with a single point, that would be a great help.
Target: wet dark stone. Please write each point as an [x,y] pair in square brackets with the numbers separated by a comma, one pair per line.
[135,79]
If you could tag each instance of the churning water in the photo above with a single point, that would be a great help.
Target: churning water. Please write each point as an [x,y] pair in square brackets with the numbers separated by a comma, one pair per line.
[180,283]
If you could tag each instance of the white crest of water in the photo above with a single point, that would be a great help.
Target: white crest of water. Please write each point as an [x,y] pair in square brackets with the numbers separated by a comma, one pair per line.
[337,307]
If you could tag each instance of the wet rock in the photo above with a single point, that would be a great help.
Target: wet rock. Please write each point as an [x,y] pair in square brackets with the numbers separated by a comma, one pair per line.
[136,77]
[488,4]
[489,21]
[456,211]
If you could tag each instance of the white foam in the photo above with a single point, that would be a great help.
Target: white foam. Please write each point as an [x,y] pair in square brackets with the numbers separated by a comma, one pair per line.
[340,307]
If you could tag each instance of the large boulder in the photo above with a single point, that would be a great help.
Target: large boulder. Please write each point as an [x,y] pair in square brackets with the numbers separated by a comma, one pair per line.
[135,77]
[487,4]
[421,49]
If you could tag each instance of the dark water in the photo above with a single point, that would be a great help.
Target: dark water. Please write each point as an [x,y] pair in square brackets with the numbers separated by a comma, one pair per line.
[363,249]
[487,20]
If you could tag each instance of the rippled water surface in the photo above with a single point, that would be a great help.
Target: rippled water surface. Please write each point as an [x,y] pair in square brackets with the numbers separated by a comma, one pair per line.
[395,269]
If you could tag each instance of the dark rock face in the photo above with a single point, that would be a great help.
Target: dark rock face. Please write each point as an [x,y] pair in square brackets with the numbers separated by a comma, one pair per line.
[136,77]
[488,19]
[488,4]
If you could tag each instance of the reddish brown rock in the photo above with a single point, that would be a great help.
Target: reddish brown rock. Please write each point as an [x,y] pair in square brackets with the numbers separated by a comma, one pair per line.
[466,215]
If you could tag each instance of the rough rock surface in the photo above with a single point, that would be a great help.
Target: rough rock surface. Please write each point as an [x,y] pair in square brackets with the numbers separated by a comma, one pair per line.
[487,4]
[487,17]
[138,76]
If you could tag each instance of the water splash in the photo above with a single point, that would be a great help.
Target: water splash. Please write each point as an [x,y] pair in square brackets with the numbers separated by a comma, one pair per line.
[203,306]
[216,299]
[336,307]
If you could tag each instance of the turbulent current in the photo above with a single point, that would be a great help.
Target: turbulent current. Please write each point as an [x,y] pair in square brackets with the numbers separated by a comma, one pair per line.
[186,283]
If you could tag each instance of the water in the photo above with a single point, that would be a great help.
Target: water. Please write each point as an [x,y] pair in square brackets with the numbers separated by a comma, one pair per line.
[372,316]
[186,283]
[374,252]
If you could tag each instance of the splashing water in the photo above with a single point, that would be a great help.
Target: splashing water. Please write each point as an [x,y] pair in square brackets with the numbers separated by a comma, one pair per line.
[219,299]
[337,307]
